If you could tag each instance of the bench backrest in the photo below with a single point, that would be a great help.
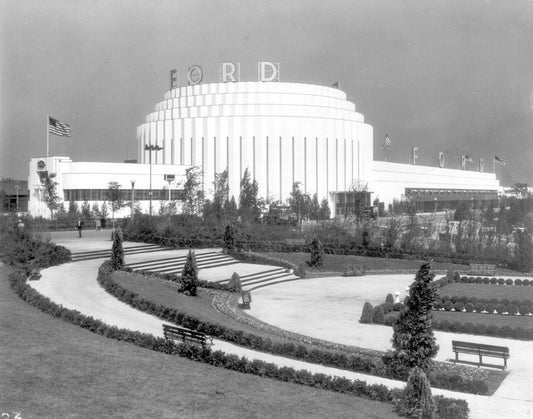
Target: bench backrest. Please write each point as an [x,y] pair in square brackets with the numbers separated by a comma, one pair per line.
[480,346]
[174,331]
[246,297]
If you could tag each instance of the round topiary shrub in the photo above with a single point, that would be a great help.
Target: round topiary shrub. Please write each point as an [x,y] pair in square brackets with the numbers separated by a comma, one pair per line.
[387,307]
[479,307]
[480,329]
[368,313]
[463,299]
[469,307]
[529,333]
[397,306]
[489,308]
[443,325]
[379,315]
[493,281]
[478,280]
[504,301]
[512,309]
[464,279]
[458,306]
[437,305]
[519,333]
[486,280]
[508,281]
[525,282]
[389,298]
[469,328]
[454,299]
[501,281]
[456,276]
[518,281]
[492,330]
[516,302]
[473,300]
[500,308]
[456,326]
[389,320]
[524,310]
[506,331]
[448,306]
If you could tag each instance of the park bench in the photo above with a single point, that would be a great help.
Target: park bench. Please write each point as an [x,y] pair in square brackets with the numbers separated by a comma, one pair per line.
[179,333]
[35,275]
[246,298]
[481,350]
[482,269]
[353,270]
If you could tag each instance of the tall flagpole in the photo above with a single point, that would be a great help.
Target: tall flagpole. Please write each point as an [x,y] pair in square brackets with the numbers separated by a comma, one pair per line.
[47,135]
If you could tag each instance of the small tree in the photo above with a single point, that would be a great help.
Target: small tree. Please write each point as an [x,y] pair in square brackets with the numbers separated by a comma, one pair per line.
[114,197]
[325,212]
[413,339]
[193,192]
[189,275]
[234,284]
[117,251]
[523,254]
[367,316]
[317,253]
[50,195]
[416,400]
[229,239]
[249,206]
[95,210]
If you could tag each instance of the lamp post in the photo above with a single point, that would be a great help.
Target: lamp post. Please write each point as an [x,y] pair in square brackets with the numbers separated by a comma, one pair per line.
[132,197]
[435,210]
[150,148]
[17,188]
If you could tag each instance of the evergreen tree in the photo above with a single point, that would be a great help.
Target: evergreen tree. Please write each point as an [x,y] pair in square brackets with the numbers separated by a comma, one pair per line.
[189,275]
[249,208]
[104,211]
[523,254]
[50,195]
[314,211]
[413,339]
[317,253]
[117,250]
[234,284]
[73,210]
[194,195]
[325,212]
[367,316]
[416,399]
[86,210]
[229,239]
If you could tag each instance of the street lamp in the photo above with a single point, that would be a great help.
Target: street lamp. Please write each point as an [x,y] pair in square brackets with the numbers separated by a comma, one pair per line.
[435,211]
[150,148]
[132,197]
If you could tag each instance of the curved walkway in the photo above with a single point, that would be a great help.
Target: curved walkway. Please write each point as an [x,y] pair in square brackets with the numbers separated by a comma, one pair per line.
[74,286]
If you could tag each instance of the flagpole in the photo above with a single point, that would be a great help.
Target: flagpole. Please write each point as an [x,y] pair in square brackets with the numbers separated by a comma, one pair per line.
[47,135]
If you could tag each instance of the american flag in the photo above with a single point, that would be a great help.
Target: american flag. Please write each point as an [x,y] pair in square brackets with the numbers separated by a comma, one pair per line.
[500,161]
[387,143]
[468,159]
[58,128]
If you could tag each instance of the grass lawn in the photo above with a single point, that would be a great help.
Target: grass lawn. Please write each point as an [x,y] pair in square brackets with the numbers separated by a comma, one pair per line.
[52,369]
[488,291]
[336,263]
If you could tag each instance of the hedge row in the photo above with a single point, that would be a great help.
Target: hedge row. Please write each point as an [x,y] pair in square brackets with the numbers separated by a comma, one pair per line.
[217,358]
[493,281]
[500,307]
[378,315]
[353,362]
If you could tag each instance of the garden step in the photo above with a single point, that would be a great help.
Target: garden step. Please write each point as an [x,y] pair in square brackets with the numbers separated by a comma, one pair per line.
[254,275]
[98,254]
[265,279]
[267,284]
[178,265]
[177,259]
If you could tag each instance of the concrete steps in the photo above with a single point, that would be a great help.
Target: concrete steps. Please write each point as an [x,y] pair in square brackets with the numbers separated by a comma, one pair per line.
[106,254]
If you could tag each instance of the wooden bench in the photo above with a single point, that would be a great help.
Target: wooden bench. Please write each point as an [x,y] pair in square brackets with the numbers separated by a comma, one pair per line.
[180,333]
[482,269]
[481,350]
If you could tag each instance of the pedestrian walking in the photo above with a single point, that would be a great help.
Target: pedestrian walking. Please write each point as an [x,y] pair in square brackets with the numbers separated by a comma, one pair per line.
[98,224]
[80,227]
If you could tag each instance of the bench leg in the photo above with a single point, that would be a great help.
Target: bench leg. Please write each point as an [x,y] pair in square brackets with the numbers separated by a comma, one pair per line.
[456,357]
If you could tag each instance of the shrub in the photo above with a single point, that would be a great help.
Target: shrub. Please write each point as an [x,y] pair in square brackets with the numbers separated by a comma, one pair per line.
[508,281]
[506,331]
[479,307]
[493,281]
[501,281]
[455,326]
[464,279]
[480,329]
[512,309]
[503,301]
[416,399]
[469,307]
[500,308]
[489,308]
[234,284]
[443,325]
[230,243]
[524,309]
[451,408]
[463,299]
[437,305]
[458,306]
[469,328]
[300,270]
[317,254]
[492,330]
[387,307]
[397,306]
[389,298]
[519,333]
[368,313]
[525,282]
[486,280]
[456,276]
[518,281]
[189,275]
[448,306]
[379,315]
[478,280]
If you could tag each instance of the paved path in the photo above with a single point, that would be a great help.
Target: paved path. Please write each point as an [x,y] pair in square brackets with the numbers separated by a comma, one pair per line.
[74,286]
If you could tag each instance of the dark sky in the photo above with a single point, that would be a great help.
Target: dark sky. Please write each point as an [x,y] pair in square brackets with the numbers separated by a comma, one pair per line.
[451,76]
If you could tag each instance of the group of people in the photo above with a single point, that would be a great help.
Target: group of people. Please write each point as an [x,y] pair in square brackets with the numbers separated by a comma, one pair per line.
[100,225]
